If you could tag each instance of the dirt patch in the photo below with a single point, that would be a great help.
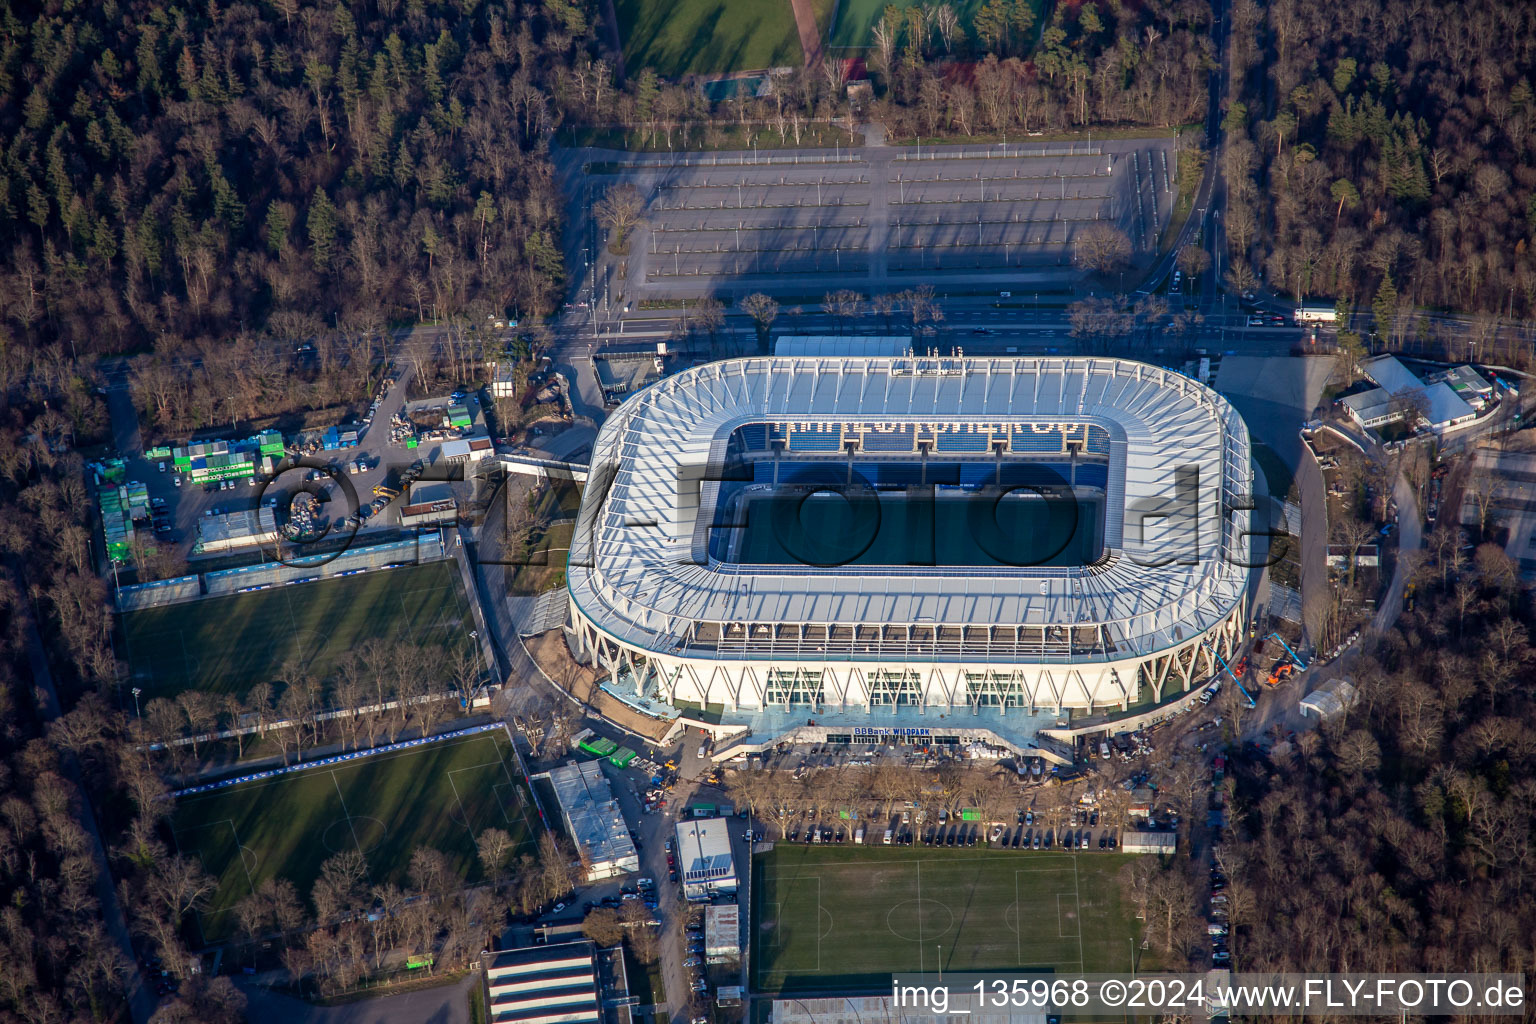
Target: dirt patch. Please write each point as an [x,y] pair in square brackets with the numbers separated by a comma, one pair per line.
[549,652]
[805,27]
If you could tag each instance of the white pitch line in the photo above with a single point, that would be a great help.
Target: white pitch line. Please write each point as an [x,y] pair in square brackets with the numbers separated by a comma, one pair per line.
[920,918]
[1018,922]
[350,827]
[1077,894]
[818,924]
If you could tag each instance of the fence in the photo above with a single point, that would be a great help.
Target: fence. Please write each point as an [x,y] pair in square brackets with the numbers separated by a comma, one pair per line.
[271,773]
[426,548]
[160,592]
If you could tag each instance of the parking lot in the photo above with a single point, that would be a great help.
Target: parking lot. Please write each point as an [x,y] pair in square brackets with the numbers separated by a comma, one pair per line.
[881,216]
[1027,832]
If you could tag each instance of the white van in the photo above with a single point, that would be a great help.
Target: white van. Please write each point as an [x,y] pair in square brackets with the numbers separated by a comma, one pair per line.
[889,833]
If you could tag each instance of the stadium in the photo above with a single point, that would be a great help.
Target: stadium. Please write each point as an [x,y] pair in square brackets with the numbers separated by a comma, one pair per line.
[958,549]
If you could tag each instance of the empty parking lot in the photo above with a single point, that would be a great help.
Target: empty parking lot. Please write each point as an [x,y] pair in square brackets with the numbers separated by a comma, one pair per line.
[880,217]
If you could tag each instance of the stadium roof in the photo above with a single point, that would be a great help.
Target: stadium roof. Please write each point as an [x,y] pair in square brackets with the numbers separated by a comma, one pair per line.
[838,345]
[640,570]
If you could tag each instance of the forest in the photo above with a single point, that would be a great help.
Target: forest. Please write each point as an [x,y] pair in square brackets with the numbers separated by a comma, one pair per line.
[1385,154]
[192,170]
[1399,836]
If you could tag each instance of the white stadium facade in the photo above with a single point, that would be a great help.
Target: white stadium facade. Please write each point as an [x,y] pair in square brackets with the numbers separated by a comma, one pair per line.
[962,549]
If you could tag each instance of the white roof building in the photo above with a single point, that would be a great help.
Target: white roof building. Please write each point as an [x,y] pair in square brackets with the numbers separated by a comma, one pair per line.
[543,985]
[231,531]
[594,820]
[965,1003]
[1137,841]
[722,930]
[663,615]
[1372,408]
[704,861]
[1330,699]
[1443,409]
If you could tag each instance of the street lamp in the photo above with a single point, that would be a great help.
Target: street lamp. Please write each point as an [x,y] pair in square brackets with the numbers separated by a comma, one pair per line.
[136,692]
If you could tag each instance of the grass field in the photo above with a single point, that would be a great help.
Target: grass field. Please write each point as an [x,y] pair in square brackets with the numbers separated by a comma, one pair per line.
[676,37]
[831,917]
[228,644]
[441,795]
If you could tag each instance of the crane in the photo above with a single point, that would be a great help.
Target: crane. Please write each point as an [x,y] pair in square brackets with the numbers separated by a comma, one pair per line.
[1228,670]
[1301,665]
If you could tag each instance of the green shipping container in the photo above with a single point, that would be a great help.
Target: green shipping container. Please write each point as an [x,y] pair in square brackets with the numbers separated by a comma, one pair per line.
[622,757]
[410,442]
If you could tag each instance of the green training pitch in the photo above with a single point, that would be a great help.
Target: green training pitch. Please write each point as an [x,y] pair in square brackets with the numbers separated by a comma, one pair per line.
[228,644]
[440,795]
[677,37]
[844,918]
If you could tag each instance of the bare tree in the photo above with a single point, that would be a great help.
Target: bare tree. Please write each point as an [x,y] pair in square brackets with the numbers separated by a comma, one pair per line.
[619,211]
[494,845]
[1481,487]
[708,316]
[1101,247]
[845,304]
[763,311]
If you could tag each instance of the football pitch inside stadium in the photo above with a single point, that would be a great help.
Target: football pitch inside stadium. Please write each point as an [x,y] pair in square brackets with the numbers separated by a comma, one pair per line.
[227,644]
[438,795]
[847,917]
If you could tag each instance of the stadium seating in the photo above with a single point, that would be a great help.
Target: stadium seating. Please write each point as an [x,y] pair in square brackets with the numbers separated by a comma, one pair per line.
[1025,439]
[805,437]
[754,437]
[902,440]
[964,441]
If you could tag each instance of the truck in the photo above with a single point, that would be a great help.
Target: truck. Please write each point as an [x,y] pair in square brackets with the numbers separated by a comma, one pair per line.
[1316,313]
[380,491]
